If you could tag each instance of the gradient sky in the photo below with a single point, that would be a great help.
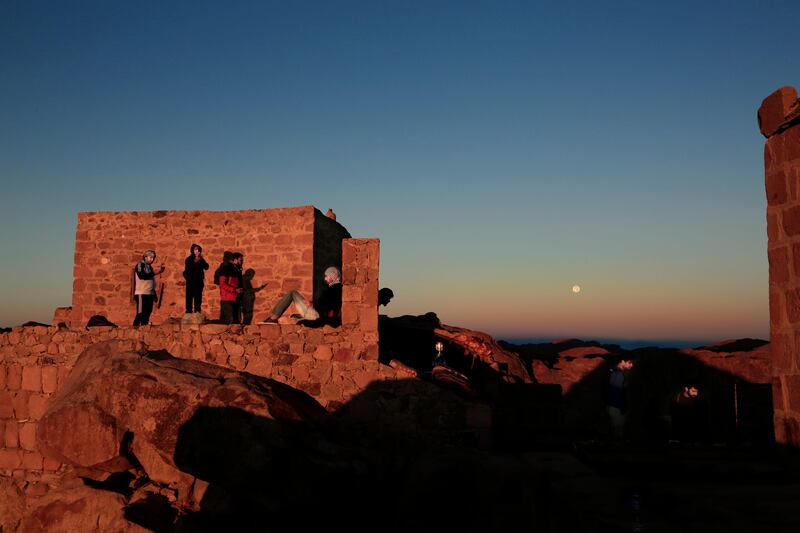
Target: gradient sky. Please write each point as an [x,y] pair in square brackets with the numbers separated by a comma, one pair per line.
[501,151]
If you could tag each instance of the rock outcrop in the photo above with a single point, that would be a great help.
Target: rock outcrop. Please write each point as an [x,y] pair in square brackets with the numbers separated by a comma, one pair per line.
[181,427]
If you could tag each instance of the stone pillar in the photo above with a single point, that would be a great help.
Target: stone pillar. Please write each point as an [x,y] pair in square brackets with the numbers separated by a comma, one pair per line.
[779,121]
[360,258]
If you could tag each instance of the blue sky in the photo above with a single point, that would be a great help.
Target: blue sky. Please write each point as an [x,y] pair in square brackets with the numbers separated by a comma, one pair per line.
[501,151]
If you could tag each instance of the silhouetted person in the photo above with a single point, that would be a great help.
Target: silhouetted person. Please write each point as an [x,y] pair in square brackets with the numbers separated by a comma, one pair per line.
[689,415]
[385,296]
[326,310]
[617,397]
[229,290]
[237,259]
[226,260]
[249,296]
[194,274]
[144,287]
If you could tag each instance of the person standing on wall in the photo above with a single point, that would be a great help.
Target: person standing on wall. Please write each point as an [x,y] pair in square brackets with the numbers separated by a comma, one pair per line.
[194,274]
[229,290]
[144,287]
[238,262]
[226,261]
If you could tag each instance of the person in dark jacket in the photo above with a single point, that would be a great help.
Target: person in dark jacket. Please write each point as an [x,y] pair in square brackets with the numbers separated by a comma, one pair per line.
[617,396]
[226,260]
[229,291]
[326,310]
[237,259]
[194,274]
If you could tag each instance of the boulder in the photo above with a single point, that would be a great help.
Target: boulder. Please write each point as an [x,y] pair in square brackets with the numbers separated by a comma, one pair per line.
[77,507]
[168,414]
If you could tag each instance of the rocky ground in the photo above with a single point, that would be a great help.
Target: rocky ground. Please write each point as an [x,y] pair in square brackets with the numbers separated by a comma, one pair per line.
[154,443]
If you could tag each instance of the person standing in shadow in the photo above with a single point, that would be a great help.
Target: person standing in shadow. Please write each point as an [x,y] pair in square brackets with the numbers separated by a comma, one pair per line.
[223,266]
[617,396]
[249,296]
[237,260]
[229,290]
[689,415]
[194,274]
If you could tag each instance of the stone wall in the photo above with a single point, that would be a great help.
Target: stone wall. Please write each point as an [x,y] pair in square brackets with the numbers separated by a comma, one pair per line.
[286,248]
[779,122]
[324,362]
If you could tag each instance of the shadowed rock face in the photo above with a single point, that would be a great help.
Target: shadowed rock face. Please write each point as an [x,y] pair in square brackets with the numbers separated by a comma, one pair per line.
[119,402]
[411,340]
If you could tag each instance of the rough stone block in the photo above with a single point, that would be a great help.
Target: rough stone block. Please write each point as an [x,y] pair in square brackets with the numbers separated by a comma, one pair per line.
[792,389]
[791,221]
[49,379]
[27,436]
[20,402]
[10,459]
[11,435]
[37,404]
[774,109]
[260,366]
[50,464]
[343,355]
[6,405]
[14,377]
[777,188]
[779,264]
[32,460]
[349,314]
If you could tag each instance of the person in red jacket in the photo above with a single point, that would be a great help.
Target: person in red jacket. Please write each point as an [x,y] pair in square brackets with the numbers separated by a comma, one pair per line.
[229,290]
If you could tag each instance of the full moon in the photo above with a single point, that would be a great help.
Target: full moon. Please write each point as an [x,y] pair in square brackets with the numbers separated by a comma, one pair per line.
[576,289]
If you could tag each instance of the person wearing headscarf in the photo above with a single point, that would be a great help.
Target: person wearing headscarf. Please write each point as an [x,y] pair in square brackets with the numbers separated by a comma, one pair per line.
[327,309]
[144,287]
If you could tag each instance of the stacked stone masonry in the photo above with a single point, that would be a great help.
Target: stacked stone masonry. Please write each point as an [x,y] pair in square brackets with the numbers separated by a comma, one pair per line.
[779,122]
[330,364]
[288,248]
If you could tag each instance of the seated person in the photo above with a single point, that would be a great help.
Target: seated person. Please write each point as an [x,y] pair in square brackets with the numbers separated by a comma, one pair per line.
[326,310]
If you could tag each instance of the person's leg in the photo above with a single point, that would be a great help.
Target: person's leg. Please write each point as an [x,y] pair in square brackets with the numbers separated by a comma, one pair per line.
[237,310]
[189,297]
[147,308]
[617,422]
[304,306]
[284,303]
[137,321]
[226,309]
[198,299]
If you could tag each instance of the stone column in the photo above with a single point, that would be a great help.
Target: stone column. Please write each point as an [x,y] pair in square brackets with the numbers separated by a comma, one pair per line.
[360,258]
[779,121]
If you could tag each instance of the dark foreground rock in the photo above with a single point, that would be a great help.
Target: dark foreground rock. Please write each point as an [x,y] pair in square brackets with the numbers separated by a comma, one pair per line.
[182,438]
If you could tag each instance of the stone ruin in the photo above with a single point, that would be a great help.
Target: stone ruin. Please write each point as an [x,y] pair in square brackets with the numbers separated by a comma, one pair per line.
[779,122]
[262,380]
[335,368]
